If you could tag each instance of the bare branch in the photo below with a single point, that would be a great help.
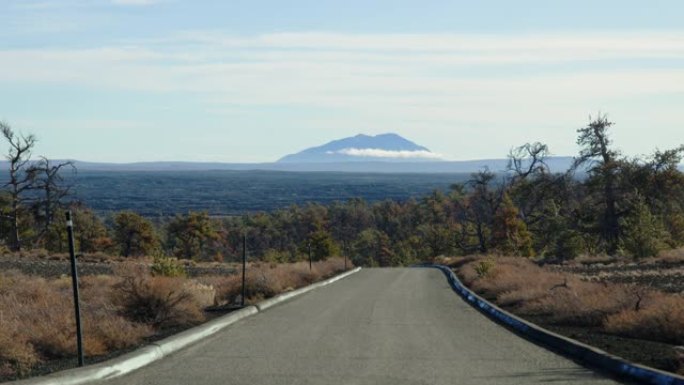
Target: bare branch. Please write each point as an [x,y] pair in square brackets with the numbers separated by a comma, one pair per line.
[528,159]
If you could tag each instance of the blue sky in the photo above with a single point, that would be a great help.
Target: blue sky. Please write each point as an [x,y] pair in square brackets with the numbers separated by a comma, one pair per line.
[250,81]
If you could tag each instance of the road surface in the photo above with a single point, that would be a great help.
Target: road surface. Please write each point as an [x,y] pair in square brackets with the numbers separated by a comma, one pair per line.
[379,326]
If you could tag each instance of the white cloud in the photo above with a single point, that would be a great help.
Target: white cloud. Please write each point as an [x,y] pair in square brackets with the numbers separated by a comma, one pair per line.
[380,153]
[556,47]
[487,87]
[135,2]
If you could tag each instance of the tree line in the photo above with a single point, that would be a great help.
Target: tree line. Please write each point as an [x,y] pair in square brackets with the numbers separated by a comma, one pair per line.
[606,203]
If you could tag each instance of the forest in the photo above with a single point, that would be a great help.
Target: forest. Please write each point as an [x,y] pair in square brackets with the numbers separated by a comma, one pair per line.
[606,203]
[229,193]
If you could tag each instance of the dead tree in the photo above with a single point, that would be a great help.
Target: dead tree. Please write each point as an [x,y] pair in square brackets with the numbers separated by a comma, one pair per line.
[528,159]
[52,190]
[21,178]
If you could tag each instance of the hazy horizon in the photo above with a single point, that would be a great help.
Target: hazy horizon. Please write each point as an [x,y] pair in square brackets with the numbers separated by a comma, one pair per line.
[209,81]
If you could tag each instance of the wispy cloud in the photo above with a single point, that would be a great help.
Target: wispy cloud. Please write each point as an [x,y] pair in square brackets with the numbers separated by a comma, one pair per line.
[135,2]
[525,47]
[339,64]
[380,153]
[434,82]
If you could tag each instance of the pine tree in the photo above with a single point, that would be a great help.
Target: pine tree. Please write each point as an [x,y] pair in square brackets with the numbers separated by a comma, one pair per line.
[644,233]
[510,233]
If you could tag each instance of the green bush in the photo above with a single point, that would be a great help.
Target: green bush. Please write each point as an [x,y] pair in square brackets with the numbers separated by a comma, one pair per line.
[275,256]
[164,266]
[643,232]
[569,245]
[484,268]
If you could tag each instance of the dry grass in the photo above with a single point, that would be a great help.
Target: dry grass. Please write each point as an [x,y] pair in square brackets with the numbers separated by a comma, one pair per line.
[38,323]
[162,302]
[586,259]
[672,256]
[660,319]
[265,280]
[563,298]
[119,311]
[679,353]
[581,304]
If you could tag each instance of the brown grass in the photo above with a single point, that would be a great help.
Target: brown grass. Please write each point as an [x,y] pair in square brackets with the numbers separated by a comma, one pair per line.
[265,280]
[162,302]
[38,321]
[672,256]
[679,353]
[563,298]
[119,311]
[660,319]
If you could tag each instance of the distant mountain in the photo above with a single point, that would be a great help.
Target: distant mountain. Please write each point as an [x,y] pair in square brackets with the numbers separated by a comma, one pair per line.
[364,148]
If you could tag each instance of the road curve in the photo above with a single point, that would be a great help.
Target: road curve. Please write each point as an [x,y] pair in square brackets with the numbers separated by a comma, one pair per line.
[379,326]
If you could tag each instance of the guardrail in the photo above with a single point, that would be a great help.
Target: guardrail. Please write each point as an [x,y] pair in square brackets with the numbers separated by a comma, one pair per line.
[588,355]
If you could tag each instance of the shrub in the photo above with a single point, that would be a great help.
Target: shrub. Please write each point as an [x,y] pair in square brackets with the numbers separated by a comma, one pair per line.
[38,320]
[158,301]
[483,268]
[36,314]
[275,256]
[662,319]
[581,303]
[264,281]
[164,266]
[644,234]
[17,356]
[564,298]
[569,245]
[674,224]
[672,256]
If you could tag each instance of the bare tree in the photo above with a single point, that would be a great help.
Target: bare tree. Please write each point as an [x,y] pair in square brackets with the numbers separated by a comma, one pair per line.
[53,189]
[528,159]
[479,208]
[21,177]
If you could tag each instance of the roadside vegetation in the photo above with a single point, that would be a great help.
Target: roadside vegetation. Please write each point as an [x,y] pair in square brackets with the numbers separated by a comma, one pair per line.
[142,300]
[607,205]
[586,310]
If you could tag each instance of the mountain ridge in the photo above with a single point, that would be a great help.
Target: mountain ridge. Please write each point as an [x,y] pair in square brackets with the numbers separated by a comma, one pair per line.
[556,164]
[388,146]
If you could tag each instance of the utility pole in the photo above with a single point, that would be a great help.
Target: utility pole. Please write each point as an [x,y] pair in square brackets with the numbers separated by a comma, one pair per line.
[244,267]
[346,251]
[310,261]
[74,282]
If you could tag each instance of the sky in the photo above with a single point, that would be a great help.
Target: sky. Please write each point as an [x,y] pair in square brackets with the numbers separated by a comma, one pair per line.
[252,81]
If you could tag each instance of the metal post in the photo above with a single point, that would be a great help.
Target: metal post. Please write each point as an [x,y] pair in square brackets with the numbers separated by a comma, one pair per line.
[310,262]
[346,251]
[244,267]
[74,281]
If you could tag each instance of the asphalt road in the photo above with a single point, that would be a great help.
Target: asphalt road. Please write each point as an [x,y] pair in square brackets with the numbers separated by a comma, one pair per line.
[379,326]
